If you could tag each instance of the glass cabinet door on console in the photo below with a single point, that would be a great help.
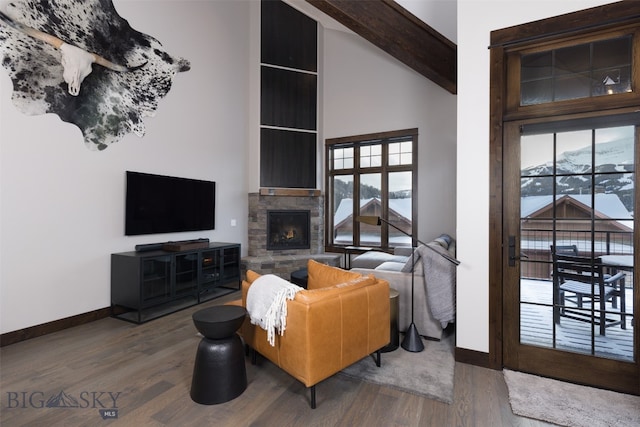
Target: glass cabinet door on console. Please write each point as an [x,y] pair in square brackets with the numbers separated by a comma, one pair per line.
[210,273]
[186,267]
[210,266]
[156,280]
[230,265]
[218,267]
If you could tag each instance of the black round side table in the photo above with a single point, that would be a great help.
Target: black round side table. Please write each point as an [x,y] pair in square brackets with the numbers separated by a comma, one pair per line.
[219,373]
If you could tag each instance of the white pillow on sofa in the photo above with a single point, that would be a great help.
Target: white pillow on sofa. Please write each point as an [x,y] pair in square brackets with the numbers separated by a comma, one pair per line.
[391,266]
[373,259]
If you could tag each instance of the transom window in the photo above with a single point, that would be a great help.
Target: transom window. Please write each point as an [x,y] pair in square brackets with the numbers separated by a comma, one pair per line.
[371,175]
[581,71]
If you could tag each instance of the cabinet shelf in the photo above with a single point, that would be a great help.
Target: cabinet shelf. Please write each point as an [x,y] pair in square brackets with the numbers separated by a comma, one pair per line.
[148,285]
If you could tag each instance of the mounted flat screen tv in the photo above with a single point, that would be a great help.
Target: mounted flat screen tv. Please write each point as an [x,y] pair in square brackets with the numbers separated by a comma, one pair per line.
[166,204]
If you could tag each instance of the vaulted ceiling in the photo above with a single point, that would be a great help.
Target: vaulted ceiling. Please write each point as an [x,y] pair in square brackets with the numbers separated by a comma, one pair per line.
[395,30]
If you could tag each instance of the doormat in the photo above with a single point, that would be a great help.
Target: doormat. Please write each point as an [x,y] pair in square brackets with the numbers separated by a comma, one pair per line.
[568,404]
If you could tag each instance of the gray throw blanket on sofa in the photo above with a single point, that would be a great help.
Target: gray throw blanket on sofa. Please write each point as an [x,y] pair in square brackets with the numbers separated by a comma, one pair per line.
[440,280]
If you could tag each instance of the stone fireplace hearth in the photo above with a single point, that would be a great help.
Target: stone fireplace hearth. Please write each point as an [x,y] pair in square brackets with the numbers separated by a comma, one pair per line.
[283,260]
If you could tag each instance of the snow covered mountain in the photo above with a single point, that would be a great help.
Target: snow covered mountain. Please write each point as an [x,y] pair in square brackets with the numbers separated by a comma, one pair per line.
[613,167]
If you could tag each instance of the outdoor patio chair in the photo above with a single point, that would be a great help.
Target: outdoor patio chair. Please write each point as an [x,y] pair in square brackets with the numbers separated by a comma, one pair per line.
[564,250]
[583,278]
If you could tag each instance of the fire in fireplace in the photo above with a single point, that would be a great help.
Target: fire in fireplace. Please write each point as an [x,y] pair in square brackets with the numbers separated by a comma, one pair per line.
[288,230]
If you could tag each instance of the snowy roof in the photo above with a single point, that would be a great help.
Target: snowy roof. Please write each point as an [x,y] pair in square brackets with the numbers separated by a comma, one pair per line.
[608,205]
[401,206]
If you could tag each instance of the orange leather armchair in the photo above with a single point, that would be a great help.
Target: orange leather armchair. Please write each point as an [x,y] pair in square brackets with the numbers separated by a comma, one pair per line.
[341,318]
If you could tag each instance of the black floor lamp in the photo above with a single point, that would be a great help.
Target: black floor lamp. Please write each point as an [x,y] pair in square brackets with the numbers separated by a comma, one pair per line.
[412,341]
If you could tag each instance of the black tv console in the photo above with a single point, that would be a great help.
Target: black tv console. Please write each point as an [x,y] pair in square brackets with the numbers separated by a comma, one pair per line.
[149,284]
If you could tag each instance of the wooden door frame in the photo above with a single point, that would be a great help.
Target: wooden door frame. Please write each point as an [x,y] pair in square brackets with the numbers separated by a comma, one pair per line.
[573,24]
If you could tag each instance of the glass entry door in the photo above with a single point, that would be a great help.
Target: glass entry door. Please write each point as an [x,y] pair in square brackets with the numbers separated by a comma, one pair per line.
[569,260]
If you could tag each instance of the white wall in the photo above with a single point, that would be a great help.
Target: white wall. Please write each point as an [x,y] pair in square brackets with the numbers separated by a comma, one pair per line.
[365,91]
[476,19]
[62,206]
[441,15]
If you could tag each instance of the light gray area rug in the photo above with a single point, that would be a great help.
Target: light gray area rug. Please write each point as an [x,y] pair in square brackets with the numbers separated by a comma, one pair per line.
[568,404]
[428,373]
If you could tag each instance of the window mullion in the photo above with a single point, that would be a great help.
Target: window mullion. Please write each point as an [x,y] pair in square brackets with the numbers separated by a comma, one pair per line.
[356,194]
[384,196]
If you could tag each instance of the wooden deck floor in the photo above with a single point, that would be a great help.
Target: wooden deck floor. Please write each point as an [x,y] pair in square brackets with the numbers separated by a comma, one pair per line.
[538,328]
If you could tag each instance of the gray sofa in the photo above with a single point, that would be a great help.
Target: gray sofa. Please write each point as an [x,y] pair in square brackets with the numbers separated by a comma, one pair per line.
[434,280]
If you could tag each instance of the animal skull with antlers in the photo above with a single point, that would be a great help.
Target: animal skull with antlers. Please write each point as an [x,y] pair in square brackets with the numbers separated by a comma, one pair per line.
[76,62]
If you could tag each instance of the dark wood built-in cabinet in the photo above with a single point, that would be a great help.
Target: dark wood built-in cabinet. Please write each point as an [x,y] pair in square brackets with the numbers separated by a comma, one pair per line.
[288,37]
[147,285]
[288,97]
[287,158]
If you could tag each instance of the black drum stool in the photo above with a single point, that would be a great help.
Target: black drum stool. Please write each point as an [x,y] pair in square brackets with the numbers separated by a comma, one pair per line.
[300,277]
[219,373]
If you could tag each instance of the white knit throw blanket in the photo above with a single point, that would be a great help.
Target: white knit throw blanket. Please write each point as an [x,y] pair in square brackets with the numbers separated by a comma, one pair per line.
[267,303]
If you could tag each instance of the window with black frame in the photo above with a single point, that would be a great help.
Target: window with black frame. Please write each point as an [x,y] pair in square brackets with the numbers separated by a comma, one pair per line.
[371,175]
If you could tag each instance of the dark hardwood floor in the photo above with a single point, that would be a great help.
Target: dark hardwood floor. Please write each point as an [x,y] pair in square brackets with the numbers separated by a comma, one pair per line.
[144,373]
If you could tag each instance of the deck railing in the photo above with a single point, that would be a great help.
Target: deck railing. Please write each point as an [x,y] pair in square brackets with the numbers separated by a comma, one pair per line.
[536,245]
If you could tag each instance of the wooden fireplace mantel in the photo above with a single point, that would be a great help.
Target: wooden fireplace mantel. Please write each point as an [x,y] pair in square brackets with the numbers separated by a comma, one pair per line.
[295,192]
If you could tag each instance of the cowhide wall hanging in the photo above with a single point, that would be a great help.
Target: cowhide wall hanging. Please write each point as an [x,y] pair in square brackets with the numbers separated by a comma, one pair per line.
[80,60]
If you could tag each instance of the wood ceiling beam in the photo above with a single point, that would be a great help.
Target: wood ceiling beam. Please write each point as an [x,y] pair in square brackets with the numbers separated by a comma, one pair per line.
[393,29]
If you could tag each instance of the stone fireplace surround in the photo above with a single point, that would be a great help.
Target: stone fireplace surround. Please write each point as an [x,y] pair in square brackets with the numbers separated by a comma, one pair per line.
[284,262]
